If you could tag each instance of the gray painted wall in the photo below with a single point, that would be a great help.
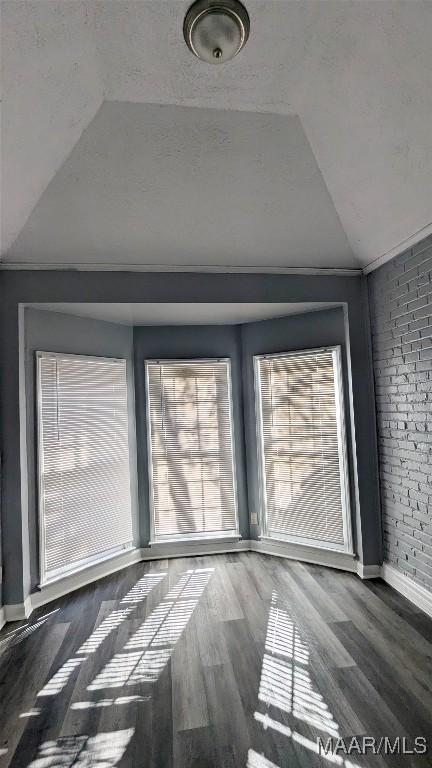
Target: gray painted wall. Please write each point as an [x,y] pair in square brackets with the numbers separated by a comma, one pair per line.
[401,313]
[17,287]
[306,331]
[1,545]
[54,332]
[189,342]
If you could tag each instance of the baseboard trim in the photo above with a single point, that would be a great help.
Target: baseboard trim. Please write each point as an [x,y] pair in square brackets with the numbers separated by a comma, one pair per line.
[18,611]
[62,587]
[417,594]
[167,550]
[420,596]
[329,558]
[368,571]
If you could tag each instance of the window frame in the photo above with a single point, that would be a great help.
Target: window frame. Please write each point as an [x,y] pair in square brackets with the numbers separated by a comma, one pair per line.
[347,546]
[230,535]
[50,577]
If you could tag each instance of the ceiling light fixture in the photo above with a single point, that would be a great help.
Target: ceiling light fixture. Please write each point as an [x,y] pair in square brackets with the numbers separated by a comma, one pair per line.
[216,30]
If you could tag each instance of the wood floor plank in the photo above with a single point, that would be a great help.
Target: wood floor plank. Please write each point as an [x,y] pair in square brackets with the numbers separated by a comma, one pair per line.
[188,690]
[161,746]
[245,662]
[222,597]
[324,602]
[345,715]
[229,723]
[255,610]
[259,574]
[211,640]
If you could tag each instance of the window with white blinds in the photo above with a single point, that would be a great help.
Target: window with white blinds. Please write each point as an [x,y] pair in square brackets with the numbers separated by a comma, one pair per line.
[302,445]
[190,441]
[84,479]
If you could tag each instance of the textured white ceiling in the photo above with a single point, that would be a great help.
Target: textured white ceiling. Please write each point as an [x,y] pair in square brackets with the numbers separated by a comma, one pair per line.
[182,314]
[357,72]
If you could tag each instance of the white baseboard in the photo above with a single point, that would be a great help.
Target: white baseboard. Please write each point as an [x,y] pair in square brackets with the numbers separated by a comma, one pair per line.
[368,571]
[77,580]
[341,560]
[420,596]
[18,611]
[61,587]
[192,549]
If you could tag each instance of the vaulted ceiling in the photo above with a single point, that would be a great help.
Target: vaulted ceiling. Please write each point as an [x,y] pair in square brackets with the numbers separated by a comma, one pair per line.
[313,148]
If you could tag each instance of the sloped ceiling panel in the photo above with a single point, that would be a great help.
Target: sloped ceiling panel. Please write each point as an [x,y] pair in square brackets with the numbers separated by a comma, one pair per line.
[150,184]
[52,90]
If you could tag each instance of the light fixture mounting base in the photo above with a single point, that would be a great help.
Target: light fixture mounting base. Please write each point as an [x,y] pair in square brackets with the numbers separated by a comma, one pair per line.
[216,30]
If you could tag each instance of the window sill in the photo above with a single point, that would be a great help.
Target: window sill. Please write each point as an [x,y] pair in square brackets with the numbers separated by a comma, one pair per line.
[190,540]
[311,544]
[94,563]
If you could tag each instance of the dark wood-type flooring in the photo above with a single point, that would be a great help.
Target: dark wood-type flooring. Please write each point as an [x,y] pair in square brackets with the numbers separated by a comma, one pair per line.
[222,661]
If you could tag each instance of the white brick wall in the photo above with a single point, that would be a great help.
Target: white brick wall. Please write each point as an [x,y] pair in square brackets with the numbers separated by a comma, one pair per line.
[400,294]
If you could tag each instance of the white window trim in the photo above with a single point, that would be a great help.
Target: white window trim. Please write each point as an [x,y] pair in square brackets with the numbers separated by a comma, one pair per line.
[228,535]
[347,546]
[197,538]
[88,562]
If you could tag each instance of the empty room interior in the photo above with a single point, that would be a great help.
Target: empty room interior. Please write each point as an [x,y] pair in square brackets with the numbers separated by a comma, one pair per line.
[216,384]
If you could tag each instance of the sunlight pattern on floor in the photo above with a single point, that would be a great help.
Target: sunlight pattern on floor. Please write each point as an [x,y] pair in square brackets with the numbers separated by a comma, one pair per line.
[136,594]
[286,685]
[290,688]
[268,722]
[108,625]
[20,634]
[285,679]
[104,750]
[119,701]
[142,588]
[149,649]
[259,761]
[153,622]
[35,712]
[58,681]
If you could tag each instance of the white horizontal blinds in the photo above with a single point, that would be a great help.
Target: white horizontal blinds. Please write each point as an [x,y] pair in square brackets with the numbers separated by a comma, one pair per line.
[189,406]
[85,504]
[300,445]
